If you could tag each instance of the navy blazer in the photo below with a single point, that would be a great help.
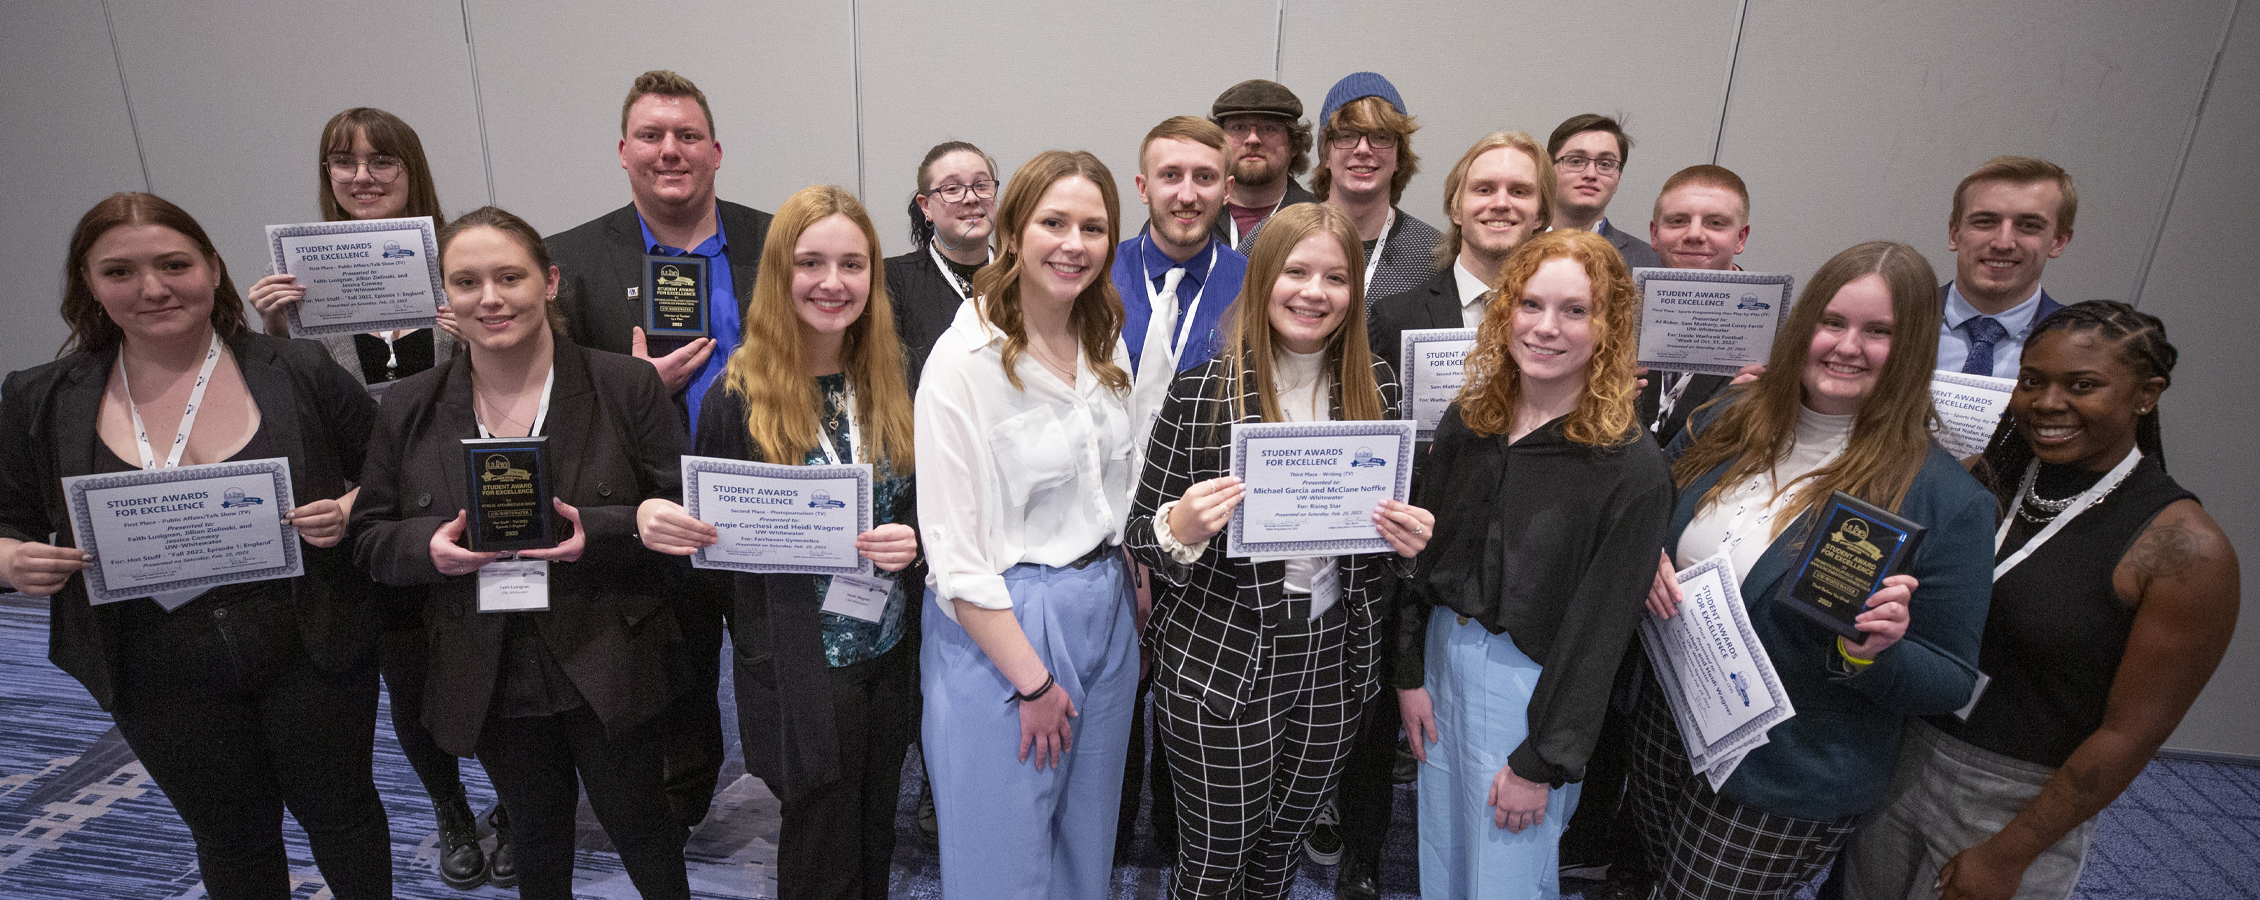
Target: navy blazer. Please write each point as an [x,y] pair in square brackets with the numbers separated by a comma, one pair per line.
[306,403]
[1834,758]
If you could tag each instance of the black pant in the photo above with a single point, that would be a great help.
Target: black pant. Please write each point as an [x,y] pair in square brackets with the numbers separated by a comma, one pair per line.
[1368,789]
[837,839]
[540,765]
[1602,832]
[1144,775]
[693,720]
[235,724]
[403,657]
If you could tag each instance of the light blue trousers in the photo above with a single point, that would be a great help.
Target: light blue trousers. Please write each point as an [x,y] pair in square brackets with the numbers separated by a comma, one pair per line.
[1011,831]
[1480,685]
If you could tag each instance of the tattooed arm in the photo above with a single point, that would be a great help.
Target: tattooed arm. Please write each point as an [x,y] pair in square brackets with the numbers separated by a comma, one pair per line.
[2181,576]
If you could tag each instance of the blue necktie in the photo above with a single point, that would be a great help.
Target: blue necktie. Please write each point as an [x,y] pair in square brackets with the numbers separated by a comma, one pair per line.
[1984,333]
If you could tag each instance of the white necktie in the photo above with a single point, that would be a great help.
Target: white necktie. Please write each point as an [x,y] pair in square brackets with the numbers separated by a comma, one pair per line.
[1157,361]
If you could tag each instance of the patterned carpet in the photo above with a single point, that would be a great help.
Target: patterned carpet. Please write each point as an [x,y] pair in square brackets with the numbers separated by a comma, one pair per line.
[79,819]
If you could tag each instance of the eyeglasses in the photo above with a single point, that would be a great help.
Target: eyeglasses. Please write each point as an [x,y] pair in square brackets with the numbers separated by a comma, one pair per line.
[1608,165]
[382,168]
[1263,127]
[955,193]
[1348,140]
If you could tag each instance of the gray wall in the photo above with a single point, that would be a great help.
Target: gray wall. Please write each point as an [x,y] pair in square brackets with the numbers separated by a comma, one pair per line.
[1850,120]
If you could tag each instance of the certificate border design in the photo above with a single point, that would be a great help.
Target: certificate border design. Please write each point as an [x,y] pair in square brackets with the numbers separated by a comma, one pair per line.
[694,466]
[1641,275]
[1969,382]
[1399,430]
[82,524]
[1406,341]
[1749,735]
[422,224]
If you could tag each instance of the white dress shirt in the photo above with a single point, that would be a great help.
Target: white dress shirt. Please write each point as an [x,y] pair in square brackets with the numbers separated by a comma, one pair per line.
[1954,340]
[1009,476]
[1471,295]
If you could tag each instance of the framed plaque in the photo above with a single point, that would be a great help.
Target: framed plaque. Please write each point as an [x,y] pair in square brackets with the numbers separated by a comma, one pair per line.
[1854,546]
[674,291]
[509,481]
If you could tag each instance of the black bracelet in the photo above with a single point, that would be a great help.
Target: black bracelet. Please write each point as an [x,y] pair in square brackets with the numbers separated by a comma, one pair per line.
[1033,696]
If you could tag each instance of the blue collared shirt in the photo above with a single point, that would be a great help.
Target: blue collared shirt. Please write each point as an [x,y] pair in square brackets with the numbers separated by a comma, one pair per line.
[1139,258]
[721,307]
[1954,340]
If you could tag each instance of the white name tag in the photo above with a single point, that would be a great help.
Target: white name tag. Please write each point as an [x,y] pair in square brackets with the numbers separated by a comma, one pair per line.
[858,597]
[1325,588]
[514,585]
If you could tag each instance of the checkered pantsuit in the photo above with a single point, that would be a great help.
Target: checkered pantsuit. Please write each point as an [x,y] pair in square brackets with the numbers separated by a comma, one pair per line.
[1704,846]
[1248,787]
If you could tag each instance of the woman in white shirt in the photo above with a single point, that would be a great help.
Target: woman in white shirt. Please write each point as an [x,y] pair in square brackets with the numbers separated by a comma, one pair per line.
[1024,440]
[1262,665]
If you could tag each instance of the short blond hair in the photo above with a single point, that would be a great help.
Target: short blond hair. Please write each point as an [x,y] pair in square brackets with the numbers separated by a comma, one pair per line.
[2020,170]
[1183,128]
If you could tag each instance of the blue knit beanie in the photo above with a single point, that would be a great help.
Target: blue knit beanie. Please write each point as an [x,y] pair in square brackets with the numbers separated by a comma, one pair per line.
[1356,86]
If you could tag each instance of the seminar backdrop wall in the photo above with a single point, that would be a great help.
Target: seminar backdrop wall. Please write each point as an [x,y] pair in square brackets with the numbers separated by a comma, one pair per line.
[1850,121]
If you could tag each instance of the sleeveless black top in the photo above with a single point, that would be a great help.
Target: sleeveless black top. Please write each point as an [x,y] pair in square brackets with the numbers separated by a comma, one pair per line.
[2056,630]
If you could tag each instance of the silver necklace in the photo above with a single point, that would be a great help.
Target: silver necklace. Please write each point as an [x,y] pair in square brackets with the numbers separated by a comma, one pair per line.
[2039,510]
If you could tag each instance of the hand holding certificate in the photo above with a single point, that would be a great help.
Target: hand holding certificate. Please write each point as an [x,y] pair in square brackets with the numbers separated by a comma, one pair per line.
[1709,322]
[772,518]
[1311,488]
[366,275]
[1721,686]
[178,531]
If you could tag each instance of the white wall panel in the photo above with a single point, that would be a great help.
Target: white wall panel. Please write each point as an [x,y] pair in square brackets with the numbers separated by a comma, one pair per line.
[2200,285]
[552,75]
[1857,119]
[1469,69]
[1020,77]
[230,102]
[65,143]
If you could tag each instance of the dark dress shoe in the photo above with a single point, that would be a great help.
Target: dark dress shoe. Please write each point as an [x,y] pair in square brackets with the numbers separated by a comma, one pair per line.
[502,865]
[462,865]
[1357,880]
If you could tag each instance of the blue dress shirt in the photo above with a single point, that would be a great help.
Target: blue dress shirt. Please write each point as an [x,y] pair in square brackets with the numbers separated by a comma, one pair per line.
[721,307]
[1139,258]
[1954,338]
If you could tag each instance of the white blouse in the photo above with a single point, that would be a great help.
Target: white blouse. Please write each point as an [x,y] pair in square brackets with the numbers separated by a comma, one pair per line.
[1751,507]
[1009,476]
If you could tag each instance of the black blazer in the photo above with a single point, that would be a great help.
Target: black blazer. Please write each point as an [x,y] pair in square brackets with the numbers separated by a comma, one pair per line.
[1700,390]
[1213,619]
[784,684]
[306,402]
[1635,251]
[614,441]
[924,303]
[600,259]
[1434,304]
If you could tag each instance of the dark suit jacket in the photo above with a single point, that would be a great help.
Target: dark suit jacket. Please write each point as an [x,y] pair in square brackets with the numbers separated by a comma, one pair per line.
[602,258]
[1635,251]
[1699,391]
[924,303]
[614,441]
[306,403]
[1434,304]
[1221,229]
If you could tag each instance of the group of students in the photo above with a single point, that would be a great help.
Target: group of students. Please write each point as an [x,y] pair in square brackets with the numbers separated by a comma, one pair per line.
[1048,513]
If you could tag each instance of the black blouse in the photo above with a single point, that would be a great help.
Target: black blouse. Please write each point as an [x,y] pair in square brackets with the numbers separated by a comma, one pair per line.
[1552,543]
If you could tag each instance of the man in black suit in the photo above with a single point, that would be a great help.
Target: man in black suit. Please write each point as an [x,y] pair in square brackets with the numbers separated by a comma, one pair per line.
[1702,221]
[668,148]
[1590,152]
[1269,144]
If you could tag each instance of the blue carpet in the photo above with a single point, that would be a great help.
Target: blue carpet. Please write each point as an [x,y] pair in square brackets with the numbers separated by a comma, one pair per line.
[79,819]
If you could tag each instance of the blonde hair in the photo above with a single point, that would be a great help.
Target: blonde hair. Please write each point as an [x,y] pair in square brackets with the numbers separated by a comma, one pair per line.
[1604,414]
[1249,346]
[1517,140]
[769,370]
[1097,313]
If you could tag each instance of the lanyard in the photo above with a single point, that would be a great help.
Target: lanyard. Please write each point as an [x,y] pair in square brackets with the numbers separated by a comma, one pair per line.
[541,415]
[2090,497]
[187,416]
[855,436]
[1153,296]
[933,250]
[1234,224]
[1380,245]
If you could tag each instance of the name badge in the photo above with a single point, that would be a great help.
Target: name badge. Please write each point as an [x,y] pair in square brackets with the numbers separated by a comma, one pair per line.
[1325,588]
[858,597]
[514,585]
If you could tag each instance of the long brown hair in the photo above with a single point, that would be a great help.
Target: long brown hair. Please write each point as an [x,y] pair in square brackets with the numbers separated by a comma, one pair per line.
[1891,432]
[91,328]
[390,136]
[1604,413]
[1097,314]
[1249,346]
[769,370]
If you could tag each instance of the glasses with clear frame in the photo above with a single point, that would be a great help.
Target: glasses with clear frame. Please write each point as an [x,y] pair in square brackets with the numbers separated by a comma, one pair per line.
[1378,140]
[1608,165]
[984,189]
[343,168]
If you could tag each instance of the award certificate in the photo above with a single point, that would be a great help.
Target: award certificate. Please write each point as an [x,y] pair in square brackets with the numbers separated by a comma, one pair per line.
[370,275]
[779,518]
[1432,358]
[1969,406]
[1854,549]
[1712,323]
[1312,486]
[183,529]
[1721,685]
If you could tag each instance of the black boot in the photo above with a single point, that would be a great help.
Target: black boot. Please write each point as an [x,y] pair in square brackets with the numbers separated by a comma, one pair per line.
[502,865]
[462,865]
